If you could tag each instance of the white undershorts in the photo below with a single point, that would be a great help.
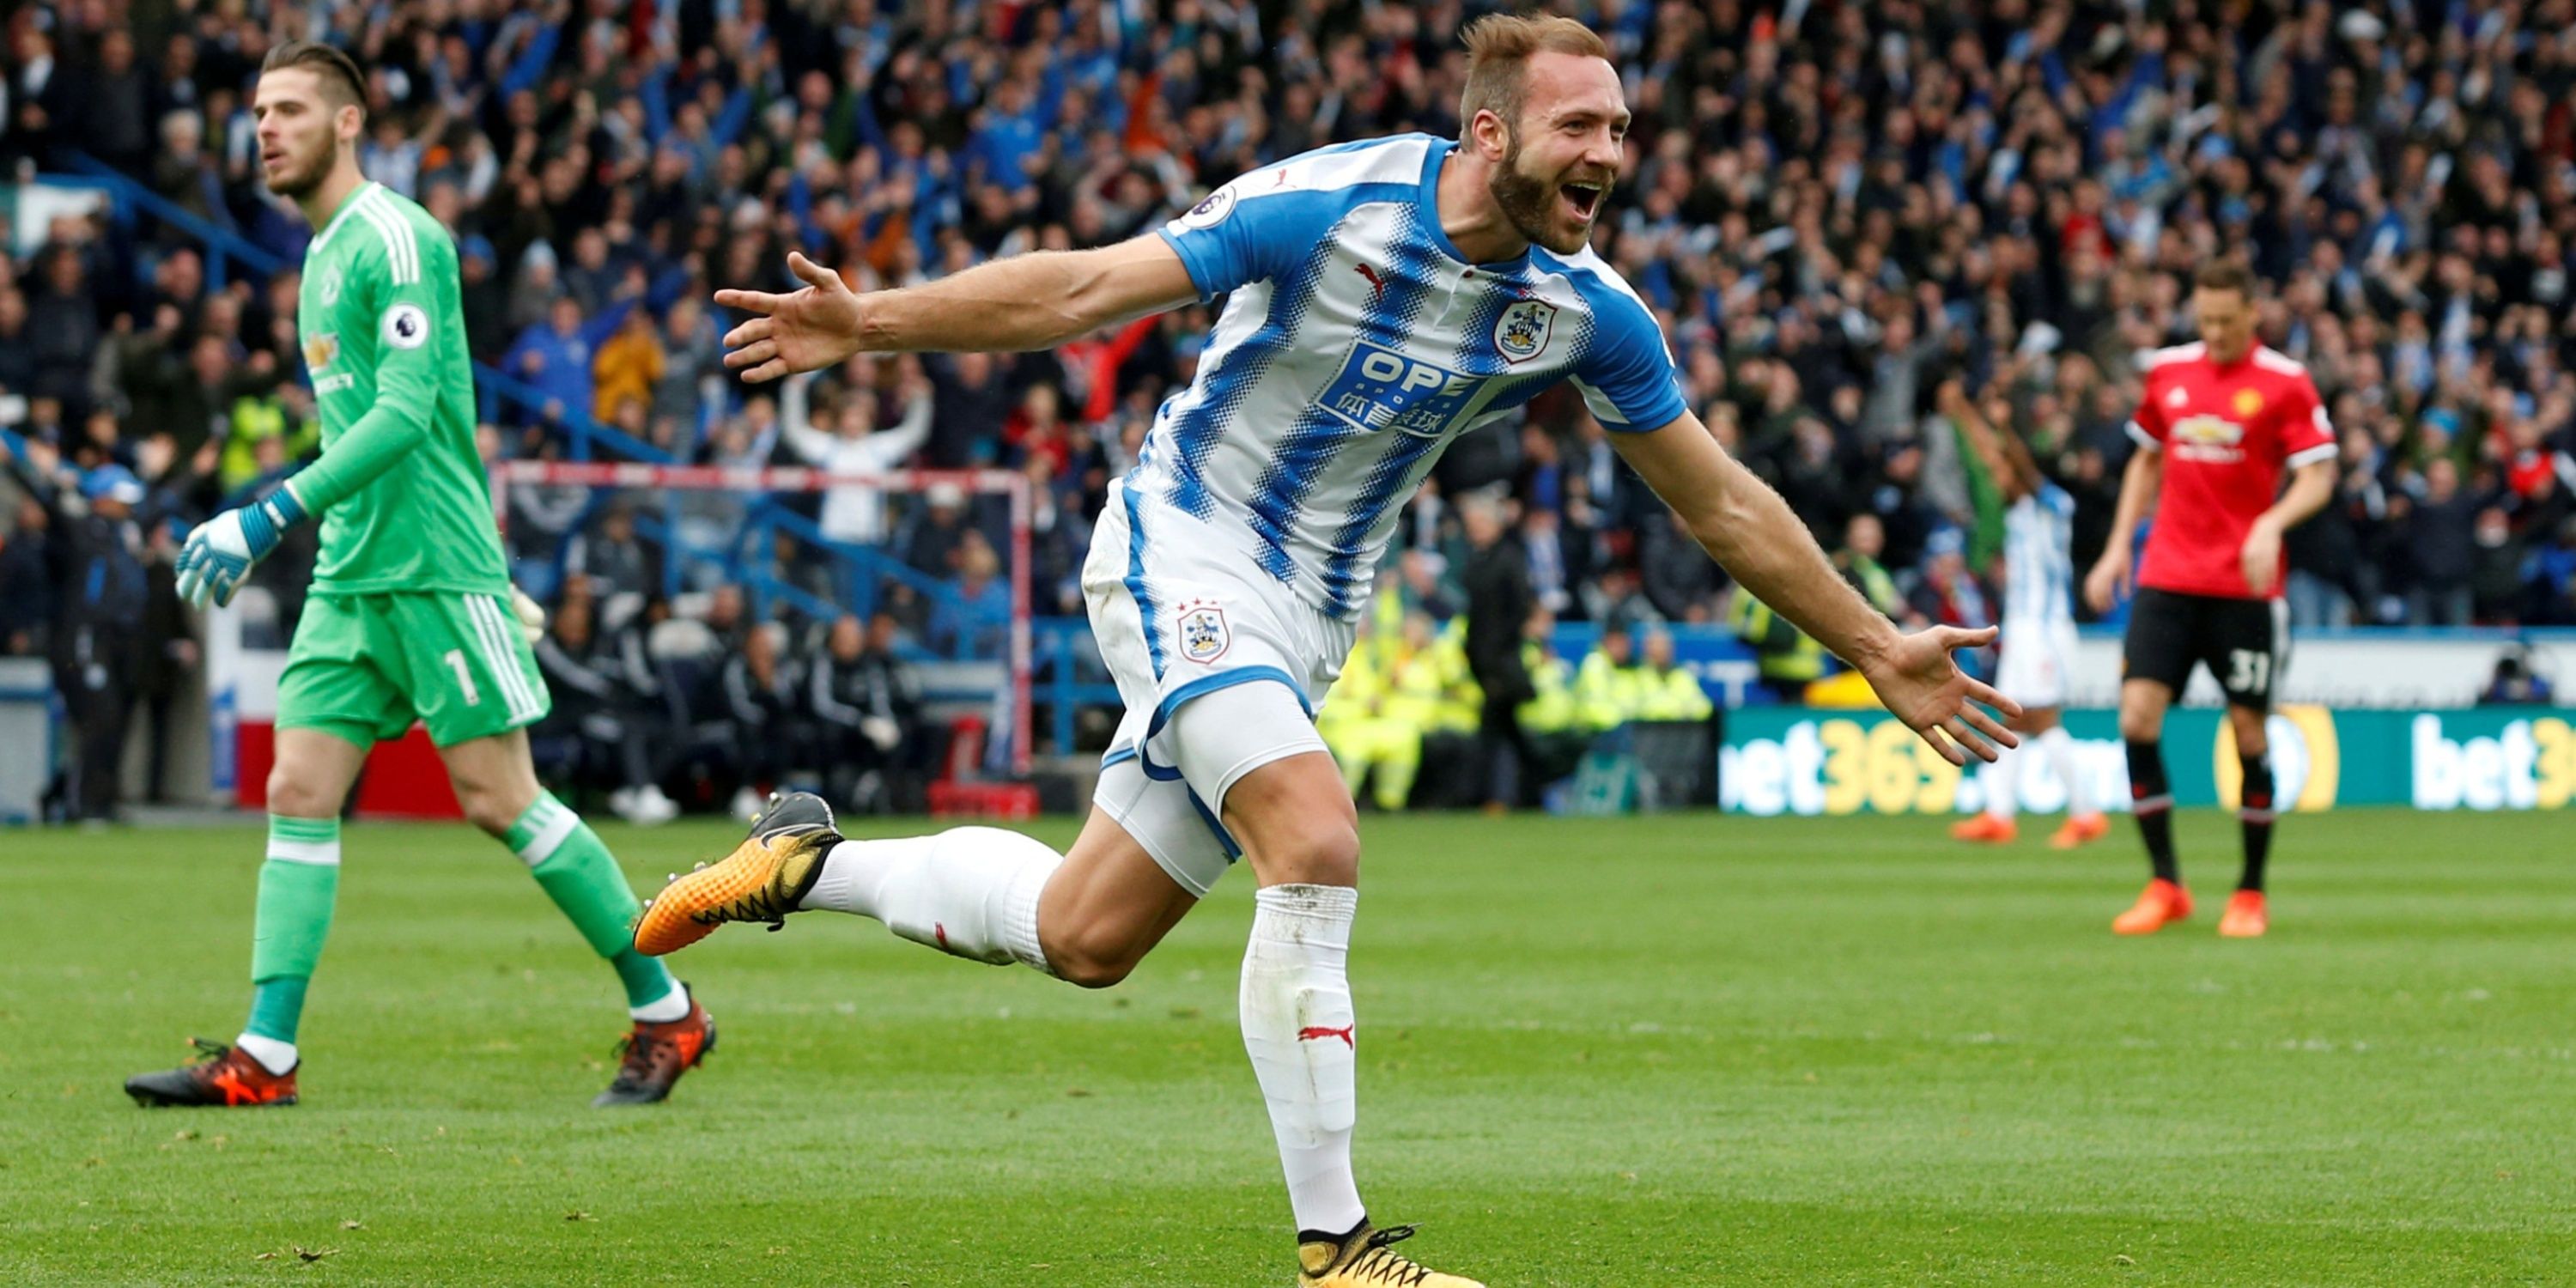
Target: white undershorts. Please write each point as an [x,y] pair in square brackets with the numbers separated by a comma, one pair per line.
[1221,668]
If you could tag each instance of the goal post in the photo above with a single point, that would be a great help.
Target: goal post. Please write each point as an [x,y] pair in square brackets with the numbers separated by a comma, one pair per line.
[677,507]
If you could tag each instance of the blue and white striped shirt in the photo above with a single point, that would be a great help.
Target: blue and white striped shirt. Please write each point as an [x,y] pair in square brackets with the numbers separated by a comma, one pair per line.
[1355,345]
[2039,564]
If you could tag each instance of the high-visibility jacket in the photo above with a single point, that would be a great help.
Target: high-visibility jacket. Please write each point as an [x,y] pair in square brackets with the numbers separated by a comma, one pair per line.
[1672,694]
[1552,708]
[1604,692]
[1785,654]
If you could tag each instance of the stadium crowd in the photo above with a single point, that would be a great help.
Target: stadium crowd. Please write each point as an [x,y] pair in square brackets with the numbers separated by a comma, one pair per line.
[1838,210]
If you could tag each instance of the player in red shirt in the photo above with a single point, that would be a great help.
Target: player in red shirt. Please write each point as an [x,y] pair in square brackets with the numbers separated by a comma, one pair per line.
[2220,423]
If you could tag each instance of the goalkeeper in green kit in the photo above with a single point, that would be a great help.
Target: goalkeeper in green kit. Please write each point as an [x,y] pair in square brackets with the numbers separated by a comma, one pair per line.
[411,615]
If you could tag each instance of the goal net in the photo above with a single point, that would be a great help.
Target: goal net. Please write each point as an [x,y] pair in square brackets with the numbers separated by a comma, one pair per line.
[944,555]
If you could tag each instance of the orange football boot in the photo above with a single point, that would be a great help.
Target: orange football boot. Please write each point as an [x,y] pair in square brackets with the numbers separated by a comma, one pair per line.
[228,1077]
[1985,827]
[762,880]
[2161,904]
[2079,829]
[2246,917]
[656,1053]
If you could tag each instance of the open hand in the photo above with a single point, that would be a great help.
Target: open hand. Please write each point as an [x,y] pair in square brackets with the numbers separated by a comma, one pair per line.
[810,329]
[1923,686]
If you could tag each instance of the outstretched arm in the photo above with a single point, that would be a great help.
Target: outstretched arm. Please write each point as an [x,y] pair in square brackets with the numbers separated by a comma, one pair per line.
[1981,441]
[1753,534]
[1025,302]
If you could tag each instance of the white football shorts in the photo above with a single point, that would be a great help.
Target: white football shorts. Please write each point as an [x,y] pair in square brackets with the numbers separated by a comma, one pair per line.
[1221,668]
[2037,662]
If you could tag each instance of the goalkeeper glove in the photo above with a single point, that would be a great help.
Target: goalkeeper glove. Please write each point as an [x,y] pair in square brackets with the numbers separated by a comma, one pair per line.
[219,552]
[532,618]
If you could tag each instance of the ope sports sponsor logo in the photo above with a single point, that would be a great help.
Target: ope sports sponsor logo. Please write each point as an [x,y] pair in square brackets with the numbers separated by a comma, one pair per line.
[1382,389]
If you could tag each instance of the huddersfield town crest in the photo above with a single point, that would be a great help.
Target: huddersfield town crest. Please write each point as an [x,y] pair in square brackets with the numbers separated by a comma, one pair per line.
[1523,330]
[1204,637]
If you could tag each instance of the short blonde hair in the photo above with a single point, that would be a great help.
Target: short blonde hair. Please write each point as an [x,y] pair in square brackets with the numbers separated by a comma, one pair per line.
[1499,46]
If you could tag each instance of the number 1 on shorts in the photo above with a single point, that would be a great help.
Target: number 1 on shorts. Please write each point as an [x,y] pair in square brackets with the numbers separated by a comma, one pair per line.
[455,660]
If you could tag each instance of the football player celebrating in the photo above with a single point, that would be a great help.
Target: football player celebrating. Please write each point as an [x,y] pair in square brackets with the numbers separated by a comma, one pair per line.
[1383,299]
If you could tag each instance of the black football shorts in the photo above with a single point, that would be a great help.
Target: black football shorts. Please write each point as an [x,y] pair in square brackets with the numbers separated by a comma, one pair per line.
[2243,642]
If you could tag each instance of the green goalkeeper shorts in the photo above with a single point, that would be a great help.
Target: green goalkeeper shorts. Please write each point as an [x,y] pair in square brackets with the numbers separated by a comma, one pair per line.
[364,666]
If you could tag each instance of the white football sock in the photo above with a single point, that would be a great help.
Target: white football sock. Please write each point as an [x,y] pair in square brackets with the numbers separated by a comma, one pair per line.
[2002,781]
[2061,753]
[1297,1026]
[969,891]
[275,1056]
[670,1006]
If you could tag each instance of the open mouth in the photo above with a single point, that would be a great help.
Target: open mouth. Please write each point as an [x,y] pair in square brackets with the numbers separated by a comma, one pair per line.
[1582,199]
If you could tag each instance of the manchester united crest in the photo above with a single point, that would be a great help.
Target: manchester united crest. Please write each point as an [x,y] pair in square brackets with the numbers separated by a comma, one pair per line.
[1203,633]
[1523,329]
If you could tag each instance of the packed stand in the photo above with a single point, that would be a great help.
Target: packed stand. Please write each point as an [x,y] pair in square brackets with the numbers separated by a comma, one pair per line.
[1838,211]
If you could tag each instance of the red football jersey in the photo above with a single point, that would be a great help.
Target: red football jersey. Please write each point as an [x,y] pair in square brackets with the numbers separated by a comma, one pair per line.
[2227,432]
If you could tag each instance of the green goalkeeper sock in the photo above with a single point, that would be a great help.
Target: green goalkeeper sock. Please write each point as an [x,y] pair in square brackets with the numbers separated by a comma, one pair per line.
[574,867]
[298,884]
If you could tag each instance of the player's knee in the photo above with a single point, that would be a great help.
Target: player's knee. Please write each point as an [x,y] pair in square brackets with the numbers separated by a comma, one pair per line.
[488,809]
[2140,722]
[1324,852]
[1091,957]
[295,796]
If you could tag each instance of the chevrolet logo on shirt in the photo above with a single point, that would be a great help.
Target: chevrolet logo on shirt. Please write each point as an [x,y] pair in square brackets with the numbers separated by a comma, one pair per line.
[2208,438]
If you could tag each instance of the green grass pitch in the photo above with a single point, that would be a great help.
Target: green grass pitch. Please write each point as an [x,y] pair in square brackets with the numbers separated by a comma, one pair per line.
[1669,1051]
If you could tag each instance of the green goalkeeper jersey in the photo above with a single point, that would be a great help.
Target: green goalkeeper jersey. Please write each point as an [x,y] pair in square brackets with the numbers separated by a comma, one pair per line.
[400,489]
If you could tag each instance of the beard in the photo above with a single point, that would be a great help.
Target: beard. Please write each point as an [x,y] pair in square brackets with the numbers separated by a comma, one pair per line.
[1527,201]
[302,173]
[1530,203]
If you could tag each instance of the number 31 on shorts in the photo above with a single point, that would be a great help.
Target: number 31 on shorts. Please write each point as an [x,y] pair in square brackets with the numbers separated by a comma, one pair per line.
[2248,670]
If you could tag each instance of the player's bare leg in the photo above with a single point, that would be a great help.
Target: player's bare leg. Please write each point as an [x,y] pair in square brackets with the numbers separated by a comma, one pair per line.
[299,885]
[1301,834]
[496,785]
[2247,915]
[1107,907]
[2142,722]
[2046,727]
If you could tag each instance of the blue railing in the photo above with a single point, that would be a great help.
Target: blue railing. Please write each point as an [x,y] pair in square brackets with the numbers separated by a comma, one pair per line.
[1061,652]
[584,435]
